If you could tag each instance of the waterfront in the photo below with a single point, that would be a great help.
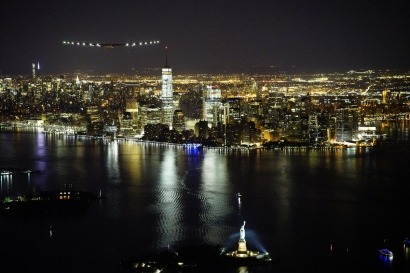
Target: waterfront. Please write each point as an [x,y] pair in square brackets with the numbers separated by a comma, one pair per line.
[316,210]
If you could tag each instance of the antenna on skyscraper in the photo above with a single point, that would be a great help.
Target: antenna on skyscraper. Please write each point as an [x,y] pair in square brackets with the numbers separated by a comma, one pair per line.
[166,57]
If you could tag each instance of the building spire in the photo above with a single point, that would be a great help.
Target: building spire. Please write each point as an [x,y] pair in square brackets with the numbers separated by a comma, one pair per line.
[166,57]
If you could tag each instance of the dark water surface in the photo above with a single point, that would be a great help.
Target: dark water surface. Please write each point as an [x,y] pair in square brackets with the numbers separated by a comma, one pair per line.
[314,210]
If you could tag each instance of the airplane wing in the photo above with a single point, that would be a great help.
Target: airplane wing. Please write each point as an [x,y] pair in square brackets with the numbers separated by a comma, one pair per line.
[110,45]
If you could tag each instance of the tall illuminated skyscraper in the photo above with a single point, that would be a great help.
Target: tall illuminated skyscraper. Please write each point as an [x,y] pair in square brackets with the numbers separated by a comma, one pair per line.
[211,104]
[167,94]
[33,66]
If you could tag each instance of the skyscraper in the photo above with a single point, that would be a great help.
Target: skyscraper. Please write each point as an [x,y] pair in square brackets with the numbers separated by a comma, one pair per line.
[33,66]
[178,122]
[167,94]
[212,105]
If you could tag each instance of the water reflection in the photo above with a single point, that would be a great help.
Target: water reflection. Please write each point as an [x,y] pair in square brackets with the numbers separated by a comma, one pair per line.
[295,200]
[113,168]
[193,197]
[215,196]
[386,263]
[6,181]
[169,201]
[243,269]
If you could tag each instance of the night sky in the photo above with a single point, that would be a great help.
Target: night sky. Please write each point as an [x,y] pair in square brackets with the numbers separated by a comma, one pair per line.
[205,36]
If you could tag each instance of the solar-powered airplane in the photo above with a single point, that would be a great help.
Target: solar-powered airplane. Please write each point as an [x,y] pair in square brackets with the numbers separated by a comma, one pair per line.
[111,45]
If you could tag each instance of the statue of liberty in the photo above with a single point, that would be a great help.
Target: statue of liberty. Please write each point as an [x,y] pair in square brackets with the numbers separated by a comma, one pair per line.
[242,232]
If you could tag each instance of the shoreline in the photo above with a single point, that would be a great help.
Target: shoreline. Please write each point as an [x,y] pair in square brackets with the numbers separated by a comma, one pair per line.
[73,131]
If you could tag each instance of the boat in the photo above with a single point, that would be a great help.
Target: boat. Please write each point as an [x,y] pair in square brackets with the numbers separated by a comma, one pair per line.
[385,252]
[4,172]
[406,242]
[100,196]
[48,203]
[11,171]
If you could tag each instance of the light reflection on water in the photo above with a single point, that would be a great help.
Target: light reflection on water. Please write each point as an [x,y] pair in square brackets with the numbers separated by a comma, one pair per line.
[169,205]
[191,203]
[242,269]
[5,184]
[295,202]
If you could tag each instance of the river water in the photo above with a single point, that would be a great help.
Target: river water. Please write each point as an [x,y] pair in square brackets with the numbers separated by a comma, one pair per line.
[312,210]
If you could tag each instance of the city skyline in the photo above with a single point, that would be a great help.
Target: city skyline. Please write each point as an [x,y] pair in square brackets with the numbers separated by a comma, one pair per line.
[228,36]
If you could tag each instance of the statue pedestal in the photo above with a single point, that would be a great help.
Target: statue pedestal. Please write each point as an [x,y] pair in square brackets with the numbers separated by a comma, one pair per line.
[242,246]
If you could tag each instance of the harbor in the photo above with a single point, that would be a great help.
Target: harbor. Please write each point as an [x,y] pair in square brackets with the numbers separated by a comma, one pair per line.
[311,210]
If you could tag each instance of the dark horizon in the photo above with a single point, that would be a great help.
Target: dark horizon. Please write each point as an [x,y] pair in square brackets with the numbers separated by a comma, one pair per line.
[181,71]
[156,71]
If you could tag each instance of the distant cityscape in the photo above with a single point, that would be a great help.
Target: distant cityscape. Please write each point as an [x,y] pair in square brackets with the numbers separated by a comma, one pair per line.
[215,110]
